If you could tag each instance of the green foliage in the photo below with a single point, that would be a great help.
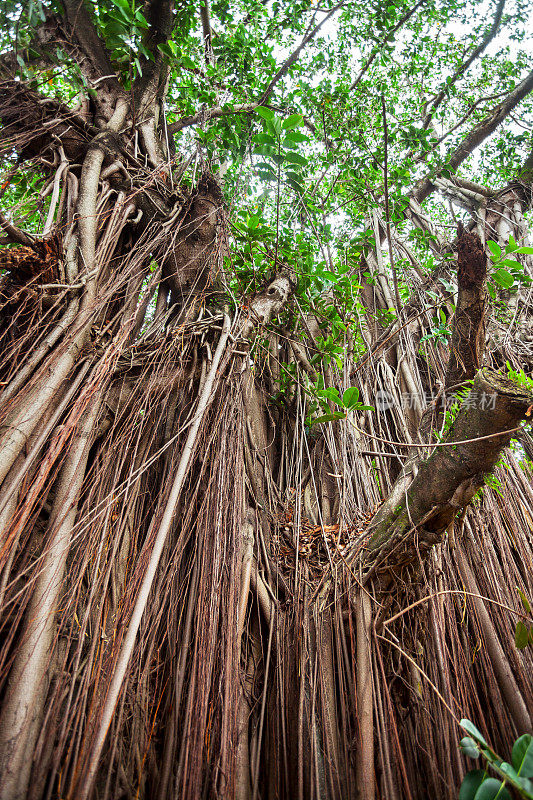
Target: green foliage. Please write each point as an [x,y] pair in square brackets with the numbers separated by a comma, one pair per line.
[440,330]
[349,402]
[451,412]
[508,273]
[123,26]
[277,145]
[524,632]
[306,166]
[478,785]
[519,377]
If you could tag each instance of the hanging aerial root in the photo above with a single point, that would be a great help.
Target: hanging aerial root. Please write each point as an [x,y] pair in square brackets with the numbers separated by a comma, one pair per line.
[90,767]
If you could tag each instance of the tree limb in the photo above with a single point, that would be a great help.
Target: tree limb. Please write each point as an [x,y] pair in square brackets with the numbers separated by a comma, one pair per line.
[468,332]
[287,64]
[380,47]
[478,134]
[91,54]
[403,532]
[465,66]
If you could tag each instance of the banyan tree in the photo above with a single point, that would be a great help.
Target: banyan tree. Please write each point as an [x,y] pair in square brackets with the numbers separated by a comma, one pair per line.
[265,354]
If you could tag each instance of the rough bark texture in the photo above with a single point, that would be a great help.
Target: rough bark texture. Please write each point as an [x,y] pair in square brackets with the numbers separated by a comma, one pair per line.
[468,333]
[448,480]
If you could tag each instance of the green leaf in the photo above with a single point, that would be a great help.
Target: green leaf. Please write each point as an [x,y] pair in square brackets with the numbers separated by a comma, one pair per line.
[521,636]
[473,731]
[295,158]
[490,789]
[295,137]
[503,278]
[509,770]
[294,121]
[266,113]
[525,601]
[471,783]
[511,247]
[253,221]
[526,250]
[264,138]
[141,20]
[495,249]
[330,417]
[350,397]
[469,747]
[124,8]
[262,165]
[296,185]
[527,786]
[294,175]
[511,262]
[187,62]
[330,394]
[166,49]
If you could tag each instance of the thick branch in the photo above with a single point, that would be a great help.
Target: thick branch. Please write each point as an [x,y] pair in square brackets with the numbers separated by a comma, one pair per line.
[211,113]
[468,331]
[14,233]
[91,54]
[403,531]
[469,61]
[205,15]
[148,88]
[479,133]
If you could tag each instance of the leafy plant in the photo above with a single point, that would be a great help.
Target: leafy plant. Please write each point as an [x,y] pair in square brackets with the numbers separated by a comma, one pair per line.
[508,272]
[278,144]
[451,412]
[523,633]
[348,402]
[519,377]
[440,330]
[478,785]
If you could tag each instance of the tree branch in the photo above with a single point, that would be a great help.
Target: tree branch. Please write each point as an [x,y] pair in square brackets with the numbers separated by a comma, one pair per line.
[159,15]
[404,531]
[478,134]
[380,47]
[294,56]
[464,67]
[205,15]
[14,233]
[217,112]
[91,54]
[468,333]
